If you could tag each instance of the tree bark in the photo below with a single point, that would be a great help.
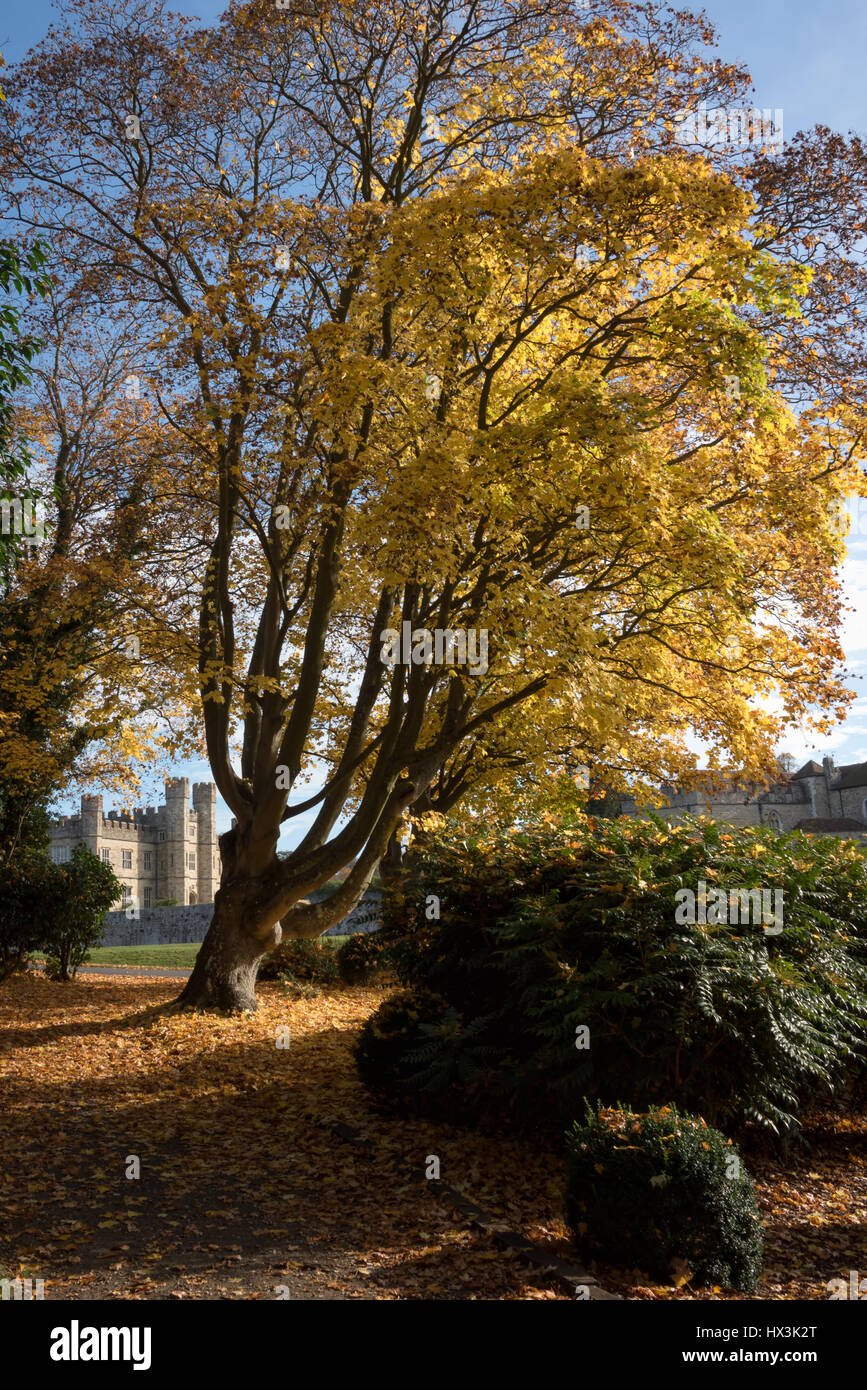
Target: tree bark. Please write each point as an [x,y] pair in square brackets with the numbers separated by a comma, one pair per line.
[245,926]
[224,975]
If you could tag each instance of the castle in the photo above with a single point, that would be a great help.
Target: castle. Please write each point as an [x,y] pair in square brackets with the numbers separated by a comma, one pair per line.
[170,852]
[821,800]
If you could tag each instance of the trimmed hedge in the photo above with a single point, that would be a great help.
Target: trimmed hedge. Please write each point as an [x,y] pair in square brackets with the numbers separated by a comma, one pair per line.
[665,1193]
[572,926]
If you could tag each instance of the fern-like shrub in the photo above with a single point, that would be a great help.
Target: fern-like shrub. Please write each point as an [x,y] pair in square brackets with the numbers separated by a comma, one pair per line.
[563,952]
[391,1039]
[665,1193]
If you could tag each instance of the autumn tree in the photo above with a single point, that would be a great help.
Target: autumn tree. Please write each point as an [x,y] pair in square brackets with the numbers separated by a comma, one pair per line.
[449,324]
[80,693]
[20,275]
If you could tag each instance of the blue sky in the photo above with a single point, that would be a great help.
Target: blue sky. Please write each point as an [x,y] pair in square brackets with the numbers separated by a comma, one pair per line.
[804,57]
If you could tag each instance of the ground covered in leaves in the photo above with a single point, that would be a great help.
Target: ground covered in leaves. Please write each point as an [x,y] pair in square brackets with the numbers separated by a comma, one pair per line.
[245,1191]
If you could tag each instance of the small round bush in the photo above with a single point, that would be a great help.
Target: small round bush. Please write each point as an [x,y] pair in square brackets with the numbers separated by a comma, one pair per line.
[390,1037]
[665,1193]
[358,957]
[301,962]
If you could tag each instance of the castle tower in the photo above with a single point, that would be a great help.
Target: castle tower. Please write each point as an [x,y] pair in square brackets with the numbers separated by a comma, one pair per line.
[208,859]
[176,879]
[91,822]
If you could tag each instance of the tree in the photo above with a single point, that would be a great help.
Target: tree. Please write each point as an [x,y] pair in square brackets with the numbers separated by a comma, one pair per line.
[450,320]
[79,688]
[27,900]
[87,889]
[21,272]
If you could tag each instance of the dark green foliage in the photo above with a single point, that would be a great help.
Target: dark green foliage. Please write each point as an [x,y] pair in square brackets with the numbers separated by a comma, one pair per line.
[359,957]
[26,907]
[304,966]
[87,890]
[26,881]
[573,924]
[391,1037]
[661,1191]
[55,908]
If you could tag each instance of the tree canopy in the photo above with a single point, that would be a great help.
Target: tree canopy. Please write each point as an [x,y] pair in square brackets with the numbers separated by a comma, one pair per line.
[446,329]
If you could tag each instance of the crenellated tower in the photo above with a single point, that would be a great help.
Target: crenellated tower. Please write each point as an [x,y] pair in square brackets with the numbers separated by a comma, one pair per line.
[176,877]
[165,852]
[91,821]
[208,860]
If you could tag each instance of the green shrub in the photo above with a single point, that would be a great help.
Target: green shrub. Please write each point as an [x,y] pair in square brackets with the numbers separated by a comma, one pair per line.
[665,1193]
[29,884]
[572,925]
[305,966]
[88,887]
[358,957]
[415,1047]
[55,908]
[390,1038]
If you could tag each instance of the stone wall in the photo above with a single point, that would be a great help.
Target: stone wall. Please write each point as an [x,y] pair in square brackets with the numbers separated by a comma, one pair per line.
[157,926]
[168,926]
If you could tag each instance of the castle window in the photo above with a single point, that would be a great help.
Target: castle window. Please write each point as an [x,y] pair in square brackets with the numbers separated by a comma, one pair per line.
[864,809]
[127,893]
[162,834]
[148,859]
[147,897]
[127,858]
[106,856]
[60,854]
[191,861]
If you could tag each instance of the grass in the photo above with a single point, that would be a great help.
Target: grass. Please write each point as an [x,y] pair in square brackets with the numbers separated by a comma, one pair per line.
[180,956]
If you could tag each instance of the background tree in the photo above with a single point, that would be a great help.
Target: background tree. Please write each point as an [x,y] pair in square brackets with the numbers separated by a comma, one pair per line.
[53,908]
[20,274]
[26,902]
[448,318]
[79,685]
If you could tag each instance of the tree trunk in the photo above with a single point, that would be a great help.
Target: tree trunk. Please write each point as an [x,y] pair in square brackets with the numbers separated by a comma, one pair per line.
[224,975]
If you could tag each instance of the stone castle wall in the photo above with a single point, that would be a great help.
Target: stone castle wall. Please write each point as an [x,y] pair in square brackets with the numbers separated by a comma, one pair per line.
[171,926]
[812,794]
